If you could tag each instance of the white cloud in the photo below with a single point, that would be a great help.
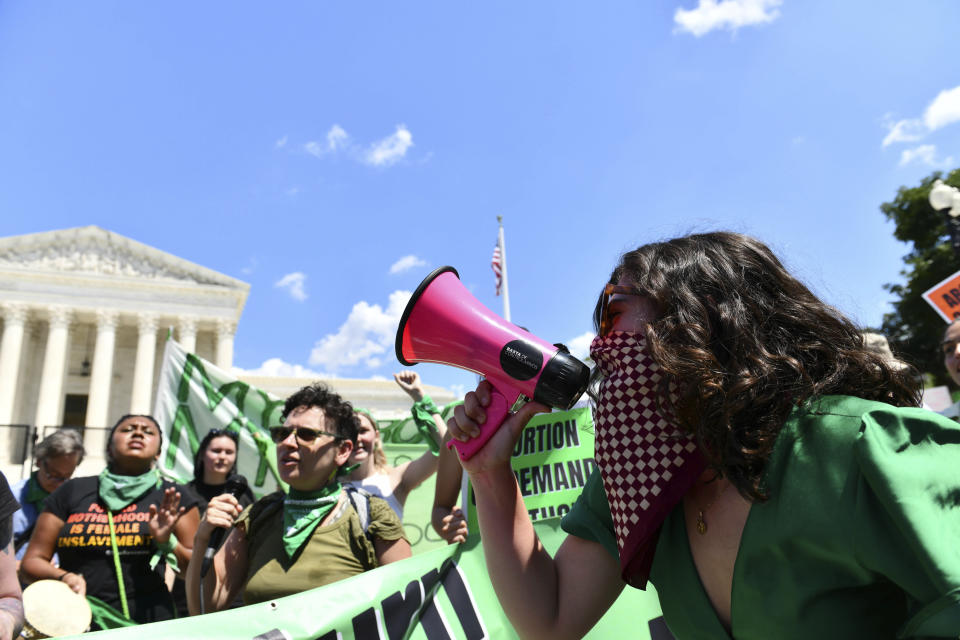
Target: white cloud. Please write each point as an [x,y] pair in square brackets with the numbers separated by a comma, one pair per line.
[458,390]
[725,14]
[281,143]
[909,130]
[944,110]
[381,153]
[275,367]
[406,263]
[293,283]
[580,346]
[925,154]
[391,149]
[367,334]
[337,138]
[292,191]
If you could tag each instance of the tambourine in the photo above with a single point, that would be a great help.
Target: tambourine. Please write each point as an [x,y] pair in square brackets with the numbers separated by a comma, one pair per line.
[51,609]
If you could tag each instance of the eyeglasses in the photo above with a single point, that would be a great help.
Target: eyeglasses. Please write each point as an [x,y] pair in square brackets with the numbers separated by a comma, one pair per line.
[304,434]
[606,322]
[52,477]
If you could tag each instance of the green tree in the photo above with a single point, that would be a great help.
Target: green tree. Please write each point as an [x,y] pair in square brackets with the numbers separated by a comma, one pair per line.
[914,328]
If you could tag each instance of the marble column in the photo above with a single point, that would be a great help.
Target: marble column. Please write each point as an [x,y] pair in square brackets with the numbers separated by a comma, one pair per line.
[143,366]
[15,317]
[50,400]
[101,376]
[225,331]
[187,333]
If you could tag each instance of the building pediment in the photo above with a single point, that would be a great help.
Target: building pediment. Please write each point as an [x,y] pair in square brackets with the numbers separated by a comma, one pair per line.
[96,251]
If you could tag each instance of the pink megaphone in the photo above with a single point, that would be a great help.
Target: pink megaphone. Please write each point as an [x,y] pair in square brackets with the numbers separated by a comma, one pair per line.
[444,323]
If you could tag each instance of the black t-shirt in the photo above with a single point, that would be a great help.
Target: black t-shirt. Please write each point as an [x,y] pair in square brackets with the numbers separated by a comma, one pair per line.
[8,507]
[205,493]
[84,546]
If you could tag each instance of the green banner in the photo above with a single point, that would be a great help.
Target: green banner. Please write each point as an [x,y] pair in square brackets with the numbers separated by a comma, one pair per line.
[194,396]
[442,594]
[443,591]
[552,461]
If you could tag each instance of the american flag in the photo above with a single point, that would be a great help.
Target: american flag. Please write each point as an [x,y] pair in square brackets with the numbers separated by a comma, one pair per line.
[495,265]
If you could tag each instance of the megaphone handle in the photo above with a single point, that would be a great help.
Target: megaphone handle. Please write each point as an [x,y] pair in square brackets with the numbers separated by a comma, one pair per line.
[496,412]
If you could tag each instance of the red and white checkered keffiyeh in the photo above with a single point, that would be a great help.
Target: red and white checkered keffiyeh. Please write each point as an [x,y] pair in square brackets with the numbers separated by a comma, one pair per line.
[646,462]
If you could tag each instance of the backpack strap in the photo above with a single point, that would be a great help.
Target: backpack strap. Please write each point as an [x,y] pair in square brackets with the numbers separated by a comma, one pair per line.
[360,499]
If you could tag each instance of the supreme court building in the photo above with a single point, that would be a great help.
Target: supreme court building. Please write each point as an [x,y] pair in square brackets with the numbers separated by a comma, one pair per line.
[84,314]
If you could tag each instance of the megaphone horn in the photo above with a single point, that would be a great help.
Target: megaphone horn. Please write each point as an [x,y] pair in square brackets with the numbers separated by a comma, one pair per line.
[445,324]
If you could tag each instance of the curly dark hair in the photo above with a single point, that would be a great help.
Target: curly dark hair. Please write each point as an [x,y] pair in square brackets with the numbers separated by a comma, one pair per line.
[747,342]
[335,408]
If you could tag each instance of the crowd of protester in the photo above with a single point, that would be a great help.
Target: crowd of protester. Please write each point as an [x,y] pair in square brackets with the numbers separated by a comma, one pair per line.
[143,548]
[339,516]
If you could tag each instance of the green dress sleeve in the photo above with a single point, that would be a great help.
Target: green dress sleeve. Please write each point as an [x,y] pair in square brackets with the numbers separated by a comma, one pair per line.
[590,518]
[908,513]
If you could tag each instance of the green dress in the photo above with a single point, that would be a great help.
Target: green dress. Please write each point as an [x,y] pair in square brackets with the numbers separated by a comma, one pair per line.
[860,537]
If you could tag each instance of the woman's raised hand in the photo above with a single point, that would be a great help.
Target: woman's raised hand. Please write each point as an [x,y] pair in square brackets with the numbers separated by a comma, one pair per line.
[409,381]
[163,518]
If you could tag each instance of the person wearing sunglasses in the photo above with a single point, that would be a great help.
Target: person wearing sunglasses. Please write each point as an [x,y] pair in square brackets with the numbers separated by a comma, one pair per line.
[768,473]
[57,457]
[313,535]
[115,533]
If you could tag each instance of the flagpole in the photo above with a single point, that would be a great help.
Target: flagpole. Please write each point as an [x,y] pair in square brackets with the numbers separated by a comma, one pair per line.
[503,269]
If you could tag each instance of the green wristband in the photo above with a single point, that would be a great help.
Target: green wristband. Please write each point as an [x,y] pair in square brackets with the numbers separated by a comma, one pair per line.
[169,545]
[165,551]
[423,411]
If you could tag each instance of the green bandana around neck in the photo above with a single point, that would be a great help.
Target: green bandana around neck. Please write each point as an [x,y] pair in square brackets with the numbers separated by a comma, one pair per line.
[118,491]
[35,493]
[423,412]
[303,511]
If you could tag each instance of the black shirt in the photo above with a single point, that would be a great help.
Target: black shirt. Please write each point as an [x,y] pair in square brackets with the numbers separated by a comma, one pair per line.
[84,546]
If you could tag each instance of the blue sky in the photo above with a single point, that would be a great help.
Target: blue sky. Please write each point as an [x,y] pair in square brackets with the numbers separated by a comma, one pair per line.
[332,154]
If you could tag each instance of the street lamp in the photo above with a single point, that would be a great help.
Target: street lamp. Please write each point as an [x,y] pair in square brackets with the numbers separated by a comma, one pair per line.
[946,199]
